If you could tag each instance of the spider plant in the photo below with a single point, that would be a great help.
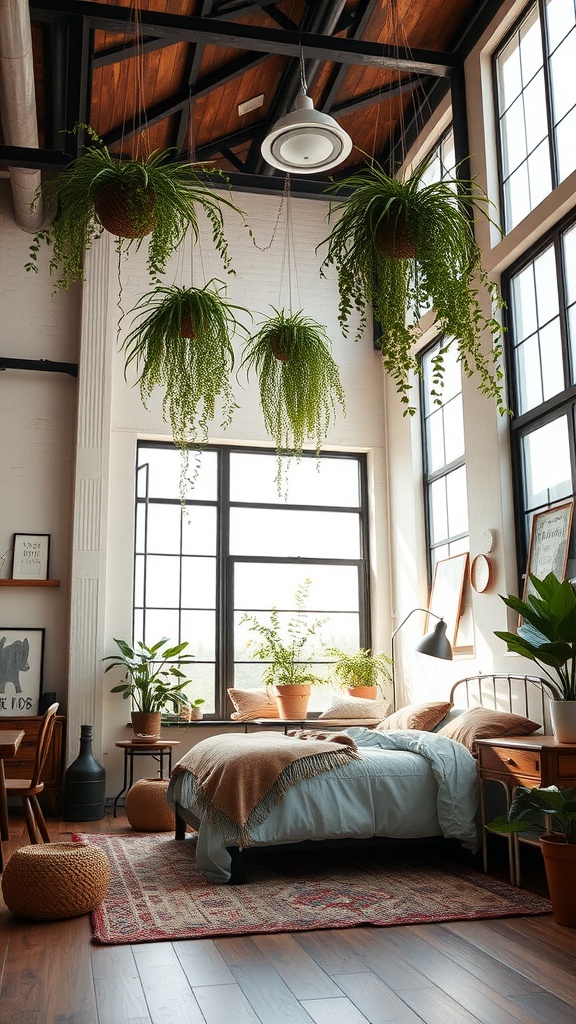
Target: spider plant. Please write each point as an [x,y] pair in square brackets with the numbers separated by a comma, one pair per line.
[181,341]
[402,247]
[152,196]
[299,381]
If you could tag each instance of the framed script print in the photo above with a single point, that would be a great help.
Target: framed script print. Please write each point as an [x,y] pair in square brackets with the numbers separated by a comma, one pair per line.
[21,666]
[549,544]
[31,553]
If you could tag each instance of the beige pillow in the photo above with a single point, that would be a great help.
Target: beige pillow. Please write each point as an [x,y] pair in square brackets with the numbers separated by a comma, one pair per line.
[481,723]
[417,716]
[357,707]
[253,704]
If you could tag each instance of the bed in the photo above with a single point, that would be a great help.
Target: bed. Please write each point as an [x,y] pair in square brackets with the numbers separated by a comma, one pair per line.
[406,784]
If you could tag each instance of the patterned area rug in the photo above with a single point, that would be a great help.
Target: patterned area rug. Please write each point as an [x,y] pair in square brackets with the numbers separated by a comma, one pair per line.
[156,892]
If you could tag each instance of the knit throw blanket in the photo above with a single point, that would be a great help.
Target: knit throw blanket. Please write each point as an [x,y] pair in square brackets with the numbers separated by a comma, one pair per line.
[238,779]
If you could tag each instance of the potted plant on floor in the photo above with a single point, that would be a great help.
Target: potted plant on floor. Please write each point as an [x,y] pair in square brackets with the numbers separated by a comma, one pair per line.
[131,199]
[153,681]
[361,672]
[299,381]
[547,636]
[285,648]
[550,813]
[402,247]
[181,341]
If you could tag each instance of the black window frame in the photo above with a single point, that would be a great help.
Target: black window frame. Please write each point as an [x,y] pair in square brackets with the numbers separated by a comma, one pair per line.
[225,562]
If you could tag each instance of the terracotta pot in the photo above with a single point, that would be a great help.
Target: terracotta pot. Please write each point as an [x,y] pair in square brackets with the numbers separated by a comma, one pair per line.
[124,211]
[293,700]
[191,714]
[188,329]
[563,715]
[276,346]
[560,865]
[367,692]
[146,725]
[395,239]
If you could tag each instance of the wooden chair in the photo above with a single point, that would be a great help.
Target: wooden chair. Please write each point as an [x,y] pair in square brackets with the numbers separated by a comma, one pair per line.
[28,789]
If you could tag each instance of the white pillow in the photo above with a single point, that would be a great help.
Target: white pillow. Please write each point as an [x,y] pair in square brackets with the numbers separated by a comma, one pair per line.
[357,707]
[251,704]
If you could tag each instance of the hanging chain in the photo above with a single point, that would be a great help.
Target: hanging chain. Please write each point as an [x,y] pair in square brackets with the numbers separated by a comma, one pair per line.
[285,193]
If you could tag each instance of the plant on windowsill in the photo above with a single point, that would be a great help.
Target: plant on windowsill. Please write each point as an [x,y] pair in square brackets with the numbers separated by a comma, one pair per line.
[401,247]
[153,681]
[361,672]
[298,379]
[285,649]
[557,808]
[547,636]
[181,341]
[130,198]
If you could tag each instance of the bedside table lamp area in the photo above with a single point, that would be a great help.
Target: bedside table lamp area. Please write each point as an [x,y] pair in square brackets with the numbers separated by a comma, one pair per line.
[435,644]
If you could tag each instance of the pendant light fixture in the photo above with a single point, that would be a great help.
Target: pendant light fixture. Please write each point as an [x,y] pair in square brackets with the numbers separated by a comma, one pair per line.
[305,141]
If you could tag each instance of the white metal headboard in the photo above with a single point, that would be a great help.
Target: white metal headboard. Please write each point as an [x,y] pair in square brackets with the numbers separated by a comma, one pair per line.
[522,695]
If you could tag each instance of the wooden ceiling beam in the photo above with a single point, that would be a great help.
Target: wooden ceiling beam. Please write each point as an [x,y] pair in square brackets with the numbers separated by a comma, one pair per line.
[115,54]
[387,92]
[250,37]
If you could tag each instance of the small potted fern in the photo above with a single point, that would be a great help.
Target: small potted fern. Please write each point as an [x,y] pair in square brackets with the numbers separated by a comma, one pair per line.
[361,672]
[298,379]
[402,247]
[129,198]
[181,341]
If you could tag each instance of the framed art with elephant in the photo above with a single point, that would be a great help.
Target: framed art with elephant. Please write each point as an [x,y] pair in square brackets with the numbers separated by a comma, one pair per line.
[21,666]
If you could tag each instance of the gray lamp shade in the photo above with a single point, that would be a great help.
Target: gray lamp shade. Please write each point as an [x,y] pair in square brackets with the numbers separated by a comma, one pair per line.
[436,643]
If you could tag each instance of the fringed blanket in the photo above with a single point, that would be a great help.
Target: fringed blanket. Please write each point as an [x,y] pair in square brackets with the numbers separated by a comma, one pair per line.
[238,779]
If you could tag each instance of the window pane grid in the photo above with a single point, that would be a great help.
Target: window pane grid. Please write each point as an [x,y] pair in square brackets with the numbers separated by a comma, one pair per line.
[190,564]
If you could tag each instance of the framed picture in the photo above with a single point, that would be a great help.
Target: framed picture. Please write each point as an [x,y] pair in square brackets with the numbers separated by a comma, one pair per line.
[21,667]
[549,543]
[450,575]
[31,553]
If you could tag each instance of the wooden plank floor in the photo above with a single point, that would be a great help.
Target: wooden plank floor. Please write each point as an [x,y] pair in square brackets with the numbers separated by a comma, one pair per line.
[505,971]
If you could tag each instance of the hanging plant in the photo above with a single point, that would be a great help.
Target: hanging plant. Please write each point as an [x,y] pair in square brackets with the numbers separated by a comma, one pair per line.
[181,342]
[131,199]
[298,379]
[402,247]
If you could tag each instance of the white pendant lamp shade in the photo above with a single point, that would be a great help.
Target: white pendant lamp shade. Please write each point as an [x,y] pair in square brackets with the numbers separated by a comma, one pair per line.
[306,140]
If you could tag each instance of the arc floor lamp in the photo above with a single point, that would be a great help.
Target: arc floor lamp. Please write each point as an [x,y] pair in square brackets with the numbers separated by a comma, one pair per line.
[435,643]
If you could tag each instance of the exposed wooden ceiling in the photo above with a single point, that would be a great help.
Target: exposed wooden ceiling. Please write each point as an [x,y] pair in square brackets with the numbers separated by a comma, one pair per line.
[177,77]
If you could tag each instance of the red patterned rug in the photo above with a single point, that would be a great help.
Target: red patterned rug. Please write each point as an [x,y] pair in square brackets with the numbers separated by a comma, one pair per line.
[156,892]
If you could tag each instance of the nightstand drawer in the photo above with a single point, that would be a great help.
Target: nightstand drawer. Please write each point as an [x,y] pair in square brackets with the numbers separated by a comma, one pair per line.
[566,767]
[506,761]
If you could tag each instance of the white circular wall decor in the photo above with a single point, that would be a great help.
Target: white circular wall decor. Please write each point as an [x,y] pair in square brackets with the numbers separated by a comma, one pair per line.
[481,573]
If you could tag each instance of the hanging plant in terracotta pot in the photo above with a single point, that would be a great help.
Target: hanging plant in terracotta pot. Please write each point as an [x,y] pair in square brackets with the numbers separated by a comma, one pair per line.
[286,646]
[298,379]
[181,341]
[133,199]
[401,247]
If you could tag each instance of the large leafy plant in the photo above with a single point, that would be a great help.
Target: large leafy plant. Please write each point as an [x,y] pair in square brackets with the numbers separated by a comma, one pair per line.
[547,634]
[530,805]
[403,246]
[285,646]
[298,379]
[157,196]
[153,678]
[181,342]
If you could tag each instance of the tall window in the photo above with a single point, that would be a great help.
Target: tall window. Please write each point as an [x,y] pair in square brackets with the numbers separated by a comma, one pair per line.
[542,356]
[536,106]
[444,456]
[238,548]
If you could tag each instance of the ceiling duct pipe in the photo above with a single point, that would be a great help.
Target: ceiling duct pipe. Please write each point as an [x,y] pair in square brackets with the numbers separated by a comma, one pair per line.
[18,107]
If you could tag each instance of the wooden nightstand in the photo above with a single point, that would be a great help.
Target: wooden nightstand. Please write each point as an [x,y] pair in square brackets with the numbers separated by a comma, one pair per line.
[530,761]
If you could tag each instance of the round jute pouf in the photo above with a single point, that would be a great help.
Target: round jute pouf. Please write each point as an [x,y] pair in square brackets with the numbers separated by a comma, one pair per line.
[146,807]
[55,880]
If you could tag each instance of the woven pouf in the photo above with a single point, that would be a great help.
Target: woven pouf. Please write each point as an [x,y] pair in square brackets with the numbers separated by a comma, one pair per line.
[55,880]
[146,807]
